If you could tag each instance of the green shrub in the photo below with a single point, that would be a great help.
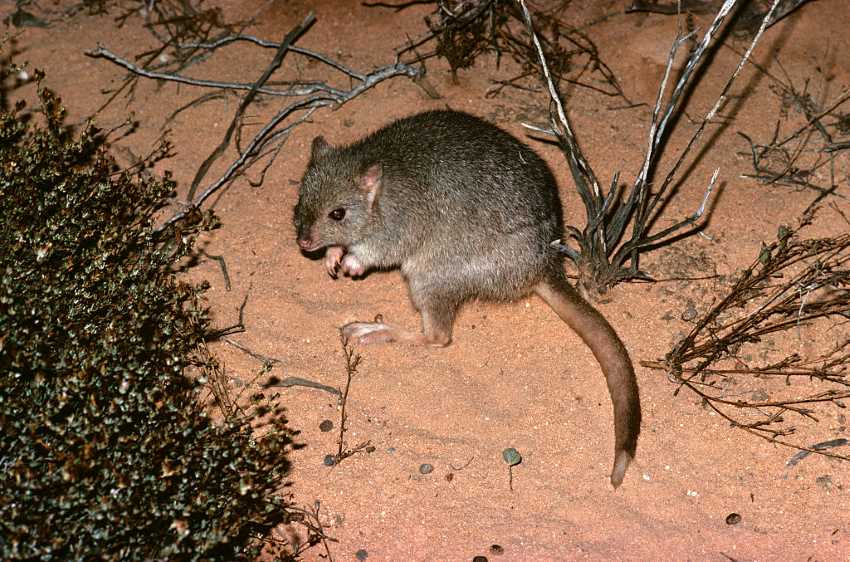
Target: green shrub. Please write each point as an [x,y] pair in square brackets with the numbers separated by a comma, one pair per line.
[105,452]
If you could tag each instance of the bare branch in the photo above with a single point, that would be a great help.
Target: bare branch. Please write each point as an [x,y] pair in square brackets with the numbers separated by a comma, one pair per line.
[604,258]
[793,282]
[313,95]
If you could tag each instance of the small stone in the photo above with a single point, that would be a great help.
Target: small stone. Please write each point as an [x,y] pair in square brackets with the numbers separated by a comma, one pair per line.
[425,468]
[329,460]
[326,426]
[496,549]
[450,476]
[733,518]
[361,554]
[511,456]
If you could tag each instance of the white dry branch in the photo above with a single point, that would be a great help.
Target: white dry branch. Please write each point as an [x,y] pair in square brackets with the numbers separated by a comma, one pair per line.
[603,258]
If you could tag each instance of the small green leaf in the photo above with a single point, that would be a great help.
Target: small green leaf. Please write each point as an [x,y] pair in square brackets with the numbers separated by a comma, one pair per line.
[764,255]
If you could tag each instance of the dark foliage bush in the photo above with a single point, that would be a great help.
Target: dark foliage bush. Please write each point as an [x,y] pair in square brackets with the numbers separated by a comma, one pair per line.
[105,452]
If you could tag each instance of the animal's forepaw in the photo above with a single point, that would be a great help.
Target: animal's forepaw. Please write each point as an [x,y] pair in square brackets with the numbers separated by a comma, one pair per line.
[333,256]
[352,266]
[367,332]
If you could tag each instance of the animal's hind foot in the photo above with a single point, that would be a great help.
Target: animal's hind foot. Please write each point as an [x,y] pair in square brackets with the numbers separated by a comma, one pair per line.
[368,332]
[381,332]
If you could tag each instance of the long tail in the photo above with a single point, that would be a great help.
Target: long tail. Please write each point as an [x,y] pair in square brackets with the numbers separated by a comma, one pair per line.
[612,356]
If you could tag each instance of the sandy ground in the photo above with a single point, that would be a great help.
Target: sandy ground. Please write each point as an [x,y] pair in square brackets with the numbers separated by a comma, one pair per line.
[515,376]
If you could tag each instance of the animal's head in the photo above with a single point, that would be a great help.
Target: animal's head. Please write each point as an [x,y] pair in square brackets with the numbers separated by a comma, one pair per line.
[337,199]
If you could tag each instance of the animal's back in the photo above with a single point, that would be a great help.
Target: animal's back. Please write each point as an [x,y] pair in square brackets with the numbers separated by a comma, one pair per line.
[476,201]
[453,157]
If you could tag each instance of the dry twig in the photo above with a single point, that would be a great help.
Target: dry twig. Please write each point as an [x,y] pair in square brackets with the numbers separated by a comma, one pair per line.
[603,257]
[791,284]
[307,96]
[460,31]
[352,361]
[811,150]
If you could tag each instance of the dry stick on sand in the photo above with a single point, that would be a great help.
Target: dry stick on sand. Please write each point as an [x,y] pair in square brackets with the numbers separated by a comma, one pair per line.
[775,164]
[222,265]
[237,328]
[791,283]
[602,258]
[312,96]
[352,361]
[268,363]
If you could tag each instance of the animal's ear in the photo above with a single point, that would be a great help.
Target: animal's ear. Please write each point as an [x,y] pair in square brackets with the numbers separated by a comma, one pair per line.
[371,183]
[320,147]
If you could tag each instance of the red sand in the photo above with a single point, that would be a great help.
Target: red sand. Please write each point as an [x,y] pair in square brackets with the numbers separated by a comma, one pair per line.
[515,376]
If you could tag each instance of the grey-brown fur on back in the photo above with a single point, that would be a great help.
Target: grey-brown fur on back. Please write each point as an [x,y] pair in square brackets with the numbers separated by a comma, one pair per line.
[458,192]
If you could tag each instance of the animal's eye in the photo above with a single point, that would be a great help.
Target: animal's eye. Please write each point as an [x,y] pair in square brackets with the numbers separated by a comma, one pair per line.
[337,214]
